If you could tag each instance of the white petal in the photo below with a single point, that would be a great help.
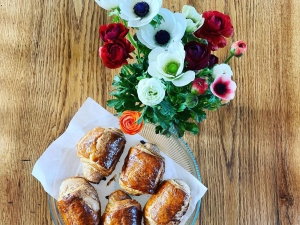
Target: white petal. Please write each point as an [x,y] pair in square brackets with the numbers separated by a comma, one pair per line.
[143,38]
[149,36]
[191,13]
[168,21]
[127,12]
[232,86]
[165,59]
[160,3]
[229,96]
[185,79]
[153,70]
[177,47]
[181,23]
[108,4]
[221,69]
[152,57]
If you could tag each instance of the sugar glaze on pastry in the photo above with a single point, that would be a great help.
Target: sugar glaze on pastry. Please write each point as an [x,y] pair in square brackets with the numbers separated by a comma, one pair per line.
[122,210]
[78,202]
[142,170]
[169,204]
[99,151]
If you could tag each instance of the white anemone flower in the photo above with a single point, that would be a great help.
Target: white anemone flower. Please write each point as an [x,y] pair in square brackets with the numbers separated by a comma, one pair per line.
[139,12]
[171,29]
[221,69]
[168,64]
[151,91]
[194,20]
[108,4]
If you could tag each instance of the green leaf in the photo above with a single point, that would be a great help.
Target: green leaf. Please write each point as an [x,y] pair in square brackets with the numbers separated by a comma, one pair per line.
[156,21]
[181,107]
[167,109]
[198,114]
[179,129]
[162,119]
[112,102]
[192,127]
[184,115]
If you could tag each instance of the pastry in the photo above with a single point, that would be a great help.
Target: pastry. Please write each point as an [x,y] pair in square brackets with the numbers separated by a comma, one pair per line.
[142,170]
[122,210]
[99,151]
[169,204]
[78,202]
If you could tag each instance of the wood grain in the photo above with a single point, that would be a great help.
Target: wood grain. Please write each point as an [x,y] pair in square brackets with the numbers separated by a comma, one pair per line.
[248,152]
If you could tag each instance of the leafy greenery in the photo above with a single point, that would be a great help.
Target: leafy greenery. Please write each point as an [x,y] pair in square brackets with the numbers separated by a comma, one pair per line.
[179,111]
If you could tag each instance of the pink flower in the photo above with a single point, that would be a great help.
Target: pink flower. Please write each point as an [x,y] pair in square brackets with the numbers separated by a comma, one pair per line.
[238,48]
[199,86]
[223,87]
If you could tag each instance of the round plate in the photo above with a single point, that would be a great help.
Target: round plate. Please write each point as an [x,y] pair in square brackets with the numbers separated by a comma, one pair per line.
[176,148]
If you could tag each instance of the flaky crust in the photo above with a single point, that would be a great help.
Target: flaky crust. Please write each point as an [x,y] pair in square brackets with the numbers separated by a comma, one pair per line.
[78,202]
[122,210]
[142,170]
[169,204]
[99,151]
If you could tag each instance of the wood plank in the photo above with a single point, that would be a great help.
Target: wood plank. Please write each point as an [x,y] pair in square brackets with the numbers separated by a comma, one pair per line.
[248,151]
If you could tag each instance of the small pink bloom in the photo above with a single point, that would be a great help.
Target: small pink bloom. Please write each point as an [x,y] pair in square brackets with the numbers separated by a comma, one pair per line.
[223,87]
[238,48]
[199,86]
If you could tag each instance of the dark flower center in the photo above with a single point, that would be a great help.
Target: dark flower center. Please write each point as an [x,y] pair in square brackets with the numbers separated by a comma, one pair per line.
[220,88]
[141,9]
[242,45]
[162,37]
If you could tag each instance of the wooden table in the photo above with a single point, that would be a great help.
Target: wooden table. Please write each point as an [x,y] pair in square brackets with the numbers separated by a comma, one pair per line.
[248,152]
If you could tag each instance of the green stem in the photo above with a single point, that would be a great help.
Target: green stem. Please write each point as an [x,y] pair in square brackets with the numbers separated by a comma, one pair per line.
[141,117]
[131,40]
[227,60]
[129,35]
[128,70]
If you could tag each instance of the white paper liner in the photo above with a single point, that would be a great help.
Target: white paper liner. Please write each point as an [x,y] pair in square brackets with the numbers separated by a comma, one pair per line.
[60,160]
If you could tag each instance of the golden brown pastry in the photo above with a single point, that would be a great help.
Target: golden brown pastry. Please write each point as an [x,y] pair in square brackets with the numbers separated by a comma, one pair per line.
[122,210]
[169,204]
[99,151]
[142,170]
[78,202]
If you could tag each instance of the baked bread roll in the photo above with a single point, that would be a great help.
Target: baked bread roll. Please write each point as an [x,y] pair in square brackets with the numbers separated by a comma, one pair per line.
[78,202]
[169,204]
[122,210]
[99,151]
[142,170]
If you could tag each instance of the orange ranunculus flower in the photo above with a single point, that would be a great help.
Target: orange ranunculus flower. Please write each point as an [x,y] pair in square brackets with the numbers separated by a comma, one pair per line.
[128,122]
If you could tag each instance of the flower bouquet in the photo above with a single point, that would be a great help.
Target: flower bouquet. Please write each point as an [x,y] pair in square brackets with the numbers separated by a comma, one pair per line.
[175,77]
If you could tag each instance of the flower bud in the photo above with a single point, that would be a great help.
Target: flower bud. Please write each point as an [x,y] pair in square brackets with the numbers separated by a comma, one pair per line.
[191,100]
[199,86]
[194,20]
[238,48]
